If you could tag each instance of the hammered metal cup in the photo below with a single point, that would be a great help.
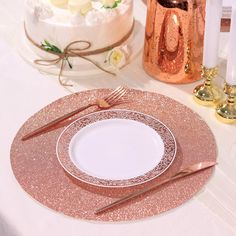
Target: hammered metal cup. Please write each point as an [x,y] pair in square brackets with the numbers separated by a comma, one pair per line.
[174,37]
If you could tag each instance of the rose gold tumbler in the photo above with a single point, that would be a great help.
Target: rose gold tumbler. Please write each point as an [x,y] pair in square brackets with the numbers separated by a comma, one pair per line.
[174,38]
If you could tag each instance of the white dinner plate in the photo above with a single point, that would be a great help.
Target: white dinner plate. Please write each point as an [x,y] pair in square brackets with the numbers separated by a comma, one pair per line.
[116,148]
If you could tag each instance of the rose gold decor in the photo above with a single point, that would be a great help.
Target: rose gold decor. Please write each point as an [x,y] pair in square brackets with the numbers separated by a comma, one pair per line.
[38,171]
[160,128]
[174,36]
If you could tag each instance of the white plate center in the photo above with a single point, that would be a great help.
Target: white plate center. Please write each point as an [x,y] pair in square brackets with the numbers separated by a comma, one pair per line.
[116,149]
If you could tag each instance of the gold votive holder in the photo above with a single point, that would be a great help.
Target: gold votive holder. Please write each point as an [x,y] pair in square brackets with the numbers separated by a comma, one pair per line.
[226,111]
[208,94]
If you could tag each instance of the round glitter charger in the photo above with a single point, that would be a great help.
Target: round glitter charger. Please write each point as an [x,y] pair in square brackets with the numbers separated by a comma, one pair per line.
[39,173]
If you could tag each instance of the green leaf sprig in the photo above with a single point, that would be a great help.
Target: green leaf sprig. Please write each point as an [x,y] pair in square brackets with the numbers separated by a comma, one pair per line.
[117,2]
[52,48]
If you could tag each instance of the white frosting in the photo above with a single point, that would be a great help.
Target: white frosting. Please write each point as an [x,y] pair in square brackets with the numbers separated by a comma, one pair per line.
[32,3]
[101,26]
[77,19]
[41,10]
[94,17]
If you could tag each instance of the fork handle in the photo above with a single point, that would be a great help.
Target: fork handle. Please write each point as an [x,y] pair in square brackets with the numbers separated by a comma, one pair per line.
[48,126]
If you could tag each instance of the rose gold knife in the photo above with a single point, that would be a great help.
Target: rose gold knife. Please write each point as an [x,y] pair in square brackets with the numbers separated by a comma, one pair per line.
[182,173]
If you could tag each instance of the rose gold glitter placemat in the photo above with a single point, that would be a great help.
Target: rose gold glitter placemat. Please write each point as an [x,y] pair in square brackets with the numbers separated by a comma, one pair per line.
[37,170]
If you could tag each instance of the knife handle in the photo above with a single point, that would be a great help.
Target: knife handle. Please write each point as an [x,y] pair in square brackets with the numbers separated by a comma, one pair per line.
[51,124]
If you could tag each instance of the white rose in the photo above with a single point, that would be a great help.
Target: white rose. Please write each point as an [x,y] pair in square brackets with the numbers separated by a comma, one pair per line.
[80,6]
[108,3]
[117,57]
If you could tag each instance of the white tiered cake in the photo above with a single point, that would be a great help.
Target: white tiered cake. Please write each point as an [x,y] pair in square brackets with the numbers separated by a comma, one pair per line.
[102,23]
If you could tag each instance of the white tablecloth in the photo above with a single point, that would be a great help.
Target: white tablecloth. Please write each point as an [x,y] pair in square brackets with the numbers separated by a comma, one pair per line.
[23,91]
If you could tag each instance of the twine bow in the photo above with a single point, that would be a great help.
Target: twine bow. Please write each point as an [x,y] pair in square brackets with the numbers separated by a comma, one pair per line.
[71,50]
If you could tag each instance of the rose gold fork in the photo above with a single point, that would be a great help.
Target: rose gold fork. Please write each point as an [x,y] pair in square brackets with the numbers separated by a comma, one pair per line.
[114,98]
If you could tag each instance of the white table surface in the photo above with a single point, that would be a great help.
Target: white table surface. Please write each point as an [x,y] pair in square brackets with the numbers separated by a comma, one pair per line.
[24,91]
